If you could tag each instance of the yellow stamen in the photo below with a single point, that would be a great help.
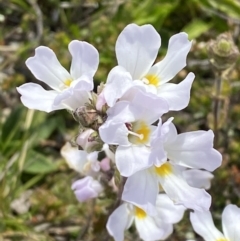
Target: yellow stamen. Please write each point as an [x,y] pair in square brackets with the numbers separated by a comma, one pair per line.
[164,170]
[140,136]
[141,133]
[139,213]
[152,79]
[222,239]
[67,82]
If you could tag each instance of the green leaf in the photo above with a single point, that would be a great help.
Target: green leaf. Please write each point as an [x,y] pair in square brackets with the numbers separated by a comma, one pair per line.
[229,7]
[196,28]
[39,164]
[11,124]
[159,12]
[223,9]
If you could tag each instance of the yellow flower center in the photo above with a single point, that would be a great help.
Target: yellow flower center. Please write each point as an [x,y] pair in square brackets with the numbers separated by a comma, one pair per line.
[152,80]
[139,213]
[222,239]
[140,133]
[164,170]
[67,82]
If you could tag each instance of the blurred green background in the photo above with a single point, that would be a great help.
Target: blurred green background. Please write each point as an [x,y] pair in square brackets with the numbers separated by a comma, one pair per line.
[36,202]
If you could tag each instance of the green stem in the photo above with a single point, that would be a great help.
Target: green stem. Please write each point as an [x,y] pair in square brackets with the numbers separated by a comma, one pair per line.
[216,106]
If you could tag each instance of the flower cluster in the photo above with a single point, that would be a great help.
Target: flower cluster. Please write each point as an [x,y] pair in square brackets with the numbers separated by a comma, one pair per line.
[122,131]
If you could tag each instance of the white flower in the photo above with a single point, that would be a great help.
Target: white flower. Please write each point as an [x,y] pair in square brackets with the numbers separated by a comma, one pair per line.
[202,223]
[70,90]
[86,188]
[192,150]
[150,228]
[81,161]
[129,125]
[136,50]
[142,188]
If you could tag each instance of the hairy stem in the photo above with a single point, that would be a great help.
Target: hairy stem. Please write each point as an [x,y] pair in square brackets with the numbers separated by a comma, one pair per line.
[216,106]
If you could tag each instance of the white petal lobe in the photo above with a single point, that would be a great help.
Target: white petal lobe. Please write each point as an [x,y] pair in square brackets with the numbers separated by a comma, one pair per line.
[85,59]
[46,67]
[132,159]
[37,98]
[177,95]
[150,230]
[231,222]
[175,60]
[141,189]
[118,82]
[137,48]
[195,150]
[119,221]
[203,225]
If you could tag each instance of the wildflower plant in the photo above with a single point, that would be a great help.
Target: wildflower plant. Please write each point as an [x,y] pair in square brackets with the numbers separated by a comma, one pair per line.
[122,133]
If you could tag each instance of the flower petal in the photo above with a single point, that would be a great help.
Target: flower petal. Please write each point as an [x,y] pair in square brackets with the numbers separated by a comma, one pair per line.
[177,95]
[170,132]
[118,82]
[35,97]
[158,154]
[121,112]
[141,189]
[120,220]
[203,225]
[85,59]
[114,133]
[86,188]
[46,67]
[137,48]
[231,222]
[140,106]
[198,178]
[72,98]
[84,82]
[179,191]
[175,60]
[195,150]
[148,107]
[76,159]
[168,212]
[132,159]
[150,230]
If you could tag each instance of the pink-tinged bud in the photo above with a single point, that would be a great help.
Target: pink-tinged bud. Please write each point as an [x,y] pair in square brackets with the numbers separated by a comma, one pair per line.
[86,139]
[108,152]
[86,188]
[100,102]
[105,164]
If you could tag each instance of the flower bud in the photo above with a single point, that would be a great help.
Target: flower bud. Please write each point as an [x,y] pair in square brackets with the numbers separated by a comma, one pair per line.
[101,104]
[85,115]
[88,117]
[73,157]
[223,53]
[105,164]
[86,188]
[87,139]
